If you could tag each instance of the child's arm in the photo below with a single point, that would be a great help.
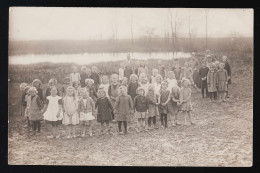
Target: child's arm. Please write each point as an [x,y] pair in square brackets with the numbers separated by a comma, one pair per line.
[169,98]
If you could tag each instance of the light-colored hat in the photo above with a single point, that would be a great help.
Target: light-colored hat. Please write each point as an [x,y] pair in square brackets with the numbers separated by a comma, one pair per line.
[52,80]
[33,89]
[133,75]
[89,80]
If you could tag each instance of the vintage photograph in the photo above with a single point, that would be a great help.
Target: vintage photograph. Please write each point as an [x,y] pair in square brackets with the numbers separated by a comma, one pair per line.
[130,86]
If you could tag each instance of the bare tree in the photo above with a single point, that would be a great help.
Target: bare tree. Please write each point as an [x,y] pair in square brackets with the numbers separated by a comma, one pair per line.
[189,31]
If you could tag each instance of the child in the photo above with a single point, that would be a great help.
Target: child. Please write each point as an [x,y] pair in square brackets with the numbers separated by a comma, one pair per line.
[187,73]
[24,104]
[66,84]
[83,76]
[212,82]
[227,67]
[76,86]
[34,110]
[142,68]
[154,74]
[128,71]
[121,71]
[104,84]
[74,76]
[37,84]
[123,109]
[91,89]
[184,103]
[105,109]
[133,85]
[52,82]
[195,74]
[178,73]
[203,72]
[124,82]
[222,82]
[163,108]
[70,115]
[94,75]
[113,89]
[162,71]
[24,93]
[171,80]
[140,108]
[157,84]
[144,82]
[172,106]
[152,106]
[52,111]
[86,109]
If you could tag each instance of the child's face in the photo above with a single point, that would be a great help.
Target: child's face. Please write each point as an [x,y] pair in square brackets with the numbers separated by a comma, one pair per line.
[85,94]
[221,66]
[158,80]
[203,64]
[140,92]
[155,72]
[124,81]
[123,90]
[54,91]
[74,70]
[143,79]
[26,91]
[177,66]
[94,70]
[102,94]
[70,92]
[133,79]
[76,86]
[105,80]
[36,84]
[185,84]
[164,86]
[51,84]
[32,93]
[114,79]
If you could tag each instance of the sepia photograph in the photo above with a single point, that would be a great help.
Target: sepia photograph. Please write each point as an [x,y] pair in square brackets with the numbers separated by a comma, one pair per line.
[91,86]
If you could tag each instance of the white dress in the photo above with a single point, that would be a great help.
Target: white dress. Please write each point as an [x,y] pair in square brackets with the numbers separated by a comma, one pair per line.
[171,83]
[52,110]
[75,77]
[157,88]
[71,105]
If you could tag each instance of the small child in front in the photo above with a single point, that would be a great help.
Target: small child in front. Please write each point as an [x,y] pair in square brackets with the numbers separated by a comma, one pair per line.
[70,115]
[34,108]
[75,76]
[184,103]
[163,108]
[104,110]
[123,109]
[86,108]
[152,107]
[212,83]
[140,108]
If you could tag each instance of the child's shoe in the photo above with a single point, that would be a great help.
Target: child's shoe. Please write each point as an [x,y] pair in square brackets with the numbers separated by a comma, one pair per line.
[58,136]
[50,137]
[121,133]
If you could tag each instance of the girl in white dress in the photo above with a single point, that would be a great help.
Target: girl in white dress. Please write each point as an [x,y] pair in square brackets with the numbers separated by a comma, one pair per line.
[172,82]
[144,82]
[70,116]
[52,111]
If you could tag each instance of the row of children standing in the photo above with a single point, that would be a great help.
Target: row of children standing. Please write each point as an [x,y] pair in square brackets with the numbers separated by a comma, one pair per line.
[139,97]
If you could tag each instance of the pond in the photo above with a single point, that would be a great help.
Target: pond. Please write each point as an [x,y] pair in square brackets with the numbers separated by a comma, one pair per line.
[87,58]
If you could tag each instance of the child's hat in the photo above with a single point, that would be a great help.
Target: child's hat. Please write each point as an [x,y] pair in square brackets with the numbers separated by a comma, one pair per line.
[52,80]
[89,80]
[133,75]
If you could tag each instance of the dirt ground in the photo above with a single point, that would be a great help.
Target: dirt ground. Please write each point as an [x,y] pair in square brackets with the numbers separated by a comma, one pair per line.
[222,136]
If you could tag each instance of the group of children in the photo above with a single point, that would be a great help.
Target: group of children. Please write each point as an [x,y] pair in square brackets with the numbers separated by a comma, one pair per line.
[86,97]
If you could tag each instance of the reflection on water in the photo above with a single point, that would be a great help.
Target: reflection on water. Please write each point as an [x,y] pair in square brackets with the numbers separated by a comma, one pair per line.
[88,58]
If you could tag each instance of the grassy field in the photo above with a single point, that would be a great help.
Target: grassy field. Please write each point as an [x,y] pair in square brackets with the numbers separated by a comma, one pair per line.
[222,136]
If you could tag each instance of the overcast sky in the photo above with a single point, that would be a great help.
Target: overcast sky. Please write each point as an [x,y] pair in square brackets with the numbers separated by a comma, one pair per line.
[55,23]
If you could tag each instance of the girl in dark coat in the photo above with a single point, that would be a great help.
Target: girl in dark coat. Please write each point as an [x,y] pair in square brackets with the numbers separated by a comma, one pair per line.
[105,109]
